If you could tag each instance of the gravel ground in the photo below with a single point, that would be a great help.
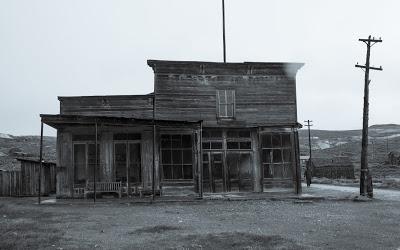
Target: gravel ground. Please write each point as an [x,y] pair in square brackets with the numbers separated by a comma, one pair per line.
[254,224]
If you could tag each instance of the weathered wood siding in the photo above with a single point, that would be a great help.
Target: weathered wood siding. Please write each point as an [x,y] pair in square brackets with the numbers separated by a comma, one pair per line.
[264,93]
[25,182]
[65,167]
[136,106]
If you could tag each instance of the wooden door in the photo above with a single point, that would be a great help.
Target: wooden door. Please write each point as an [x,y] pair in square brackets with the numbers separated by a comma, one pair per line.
[217,172]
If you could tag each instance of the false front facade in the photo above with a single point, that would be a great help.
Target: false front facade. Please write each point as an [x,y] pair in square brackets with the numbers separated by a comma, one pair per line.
[207,127]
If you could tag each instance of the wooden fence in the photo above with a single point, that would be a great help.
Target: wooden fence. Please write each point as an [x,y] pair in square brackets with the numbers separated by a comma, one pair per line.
[25,182]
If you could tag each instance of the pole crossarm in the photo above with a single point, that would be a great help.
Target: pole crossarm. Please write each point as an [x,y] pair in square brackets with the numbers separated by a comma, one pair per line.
[370,67]
[373,40]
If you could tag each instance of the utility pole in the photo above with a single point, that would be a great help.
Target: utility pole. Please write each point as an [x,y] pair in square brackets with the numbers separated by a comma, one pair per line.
[309,136]
[365,177]
[223,29]
[308,172]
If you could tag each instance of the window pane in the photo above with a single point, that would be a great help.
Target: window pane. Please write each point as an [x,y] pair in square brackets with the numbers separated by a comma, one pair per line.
[230,96]
[167,169]
[278,171]
[176,141]
[177,172]
[276,140]
[187,172]
[187,156]
[216,145]
[286,140]
[287,171]
[206,145]
[268,171]
[217,171]
[165,141]
[267,156]
[222,96]
[266,141]
[177,156]
[222,110]
[186,141]
[205,157]
[287,155]
[232,145]
[245,145]
[277,155]
[166,157]
[229,112]
[217,157]
[206,175]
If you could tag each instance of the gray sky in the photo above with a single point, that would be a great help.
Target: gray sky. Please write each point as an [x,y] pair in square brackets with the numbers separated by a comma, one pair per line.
[77,47]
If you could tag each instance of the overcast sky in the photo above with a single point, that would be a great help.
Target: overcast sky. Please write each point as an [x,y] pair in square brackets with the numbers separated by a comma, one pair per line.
[76,47]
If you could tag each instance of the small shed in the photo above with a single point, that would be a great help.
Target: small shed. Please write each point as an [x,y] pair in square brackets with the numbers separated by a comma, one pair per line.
[333,168]
[25,181]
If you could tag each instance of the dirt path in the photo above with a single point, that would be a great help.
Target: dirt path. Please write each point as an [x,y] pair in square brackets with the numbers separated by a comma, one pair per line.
[332,190]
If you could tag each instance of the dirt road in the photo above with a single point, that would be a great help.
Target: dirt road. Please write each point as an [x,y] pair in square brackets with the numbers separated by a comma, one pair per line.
[254,224]
[334,190]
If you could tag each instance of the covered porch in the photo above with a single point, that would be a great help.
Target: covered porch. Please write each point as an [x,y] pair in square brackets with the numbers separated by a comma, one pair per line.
[125,156]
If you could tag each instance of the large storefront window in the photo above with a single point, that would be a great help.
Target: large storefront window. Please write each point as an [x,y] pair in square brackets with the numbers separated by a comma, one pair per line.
[176,157]
[277,155]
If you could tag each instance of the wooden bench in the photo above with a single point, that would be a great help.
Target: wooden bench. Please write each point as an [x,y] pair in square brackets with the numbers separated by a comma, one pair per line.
[104,187]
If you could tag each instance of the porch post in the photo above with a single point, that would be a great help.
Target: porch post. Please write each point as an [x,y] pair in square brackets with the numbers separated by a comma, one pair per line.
[40,160]
[95,165]
[200,160]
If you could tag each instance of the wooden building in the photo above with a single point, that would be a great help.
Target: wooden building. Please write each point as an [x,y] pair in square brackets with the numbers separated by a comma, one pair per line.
[25,180]
[214,127]
[333,168]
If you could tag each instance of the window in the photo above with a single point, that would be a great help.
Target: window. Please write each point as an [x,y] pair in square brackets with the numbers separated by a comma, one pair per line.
[176,157]
[225,103]
[238,140]
[85,162]
[212,139]
[277,155]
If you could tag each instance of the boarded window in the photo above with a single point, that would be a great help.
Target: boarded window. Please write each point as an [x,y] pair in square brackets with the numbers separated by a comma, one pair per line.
[277,155]
[225,103]
[176,157]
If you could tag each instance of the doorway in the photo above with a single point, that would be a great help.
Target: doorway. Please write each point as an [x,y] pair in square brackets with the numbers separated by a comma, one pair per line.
[127,164]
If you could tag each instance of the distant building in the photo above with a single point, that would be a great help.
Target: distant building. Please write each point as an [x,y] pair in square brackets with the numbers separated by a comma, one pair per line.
[219,127]
[333,168]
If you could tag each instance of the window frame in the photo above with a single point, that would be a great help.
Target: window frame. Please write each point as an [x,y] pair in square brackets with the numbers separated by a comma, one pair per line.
[182,164]
[226,104]
[272,148]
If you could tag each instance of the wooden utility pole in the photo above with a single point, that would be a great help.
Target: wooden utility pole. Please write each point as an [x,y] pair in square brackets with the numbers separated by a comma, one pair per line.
[309,137]
[223,29]
[365,177]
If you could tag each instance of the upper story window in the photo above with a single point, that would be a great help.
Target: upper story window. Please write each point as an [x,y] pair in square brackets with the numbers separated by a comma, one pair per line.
[225,103]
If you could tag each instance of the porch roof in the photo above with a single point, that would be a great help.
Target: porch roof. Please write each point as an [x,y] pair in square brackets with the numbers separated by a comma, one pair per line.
[56,121]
